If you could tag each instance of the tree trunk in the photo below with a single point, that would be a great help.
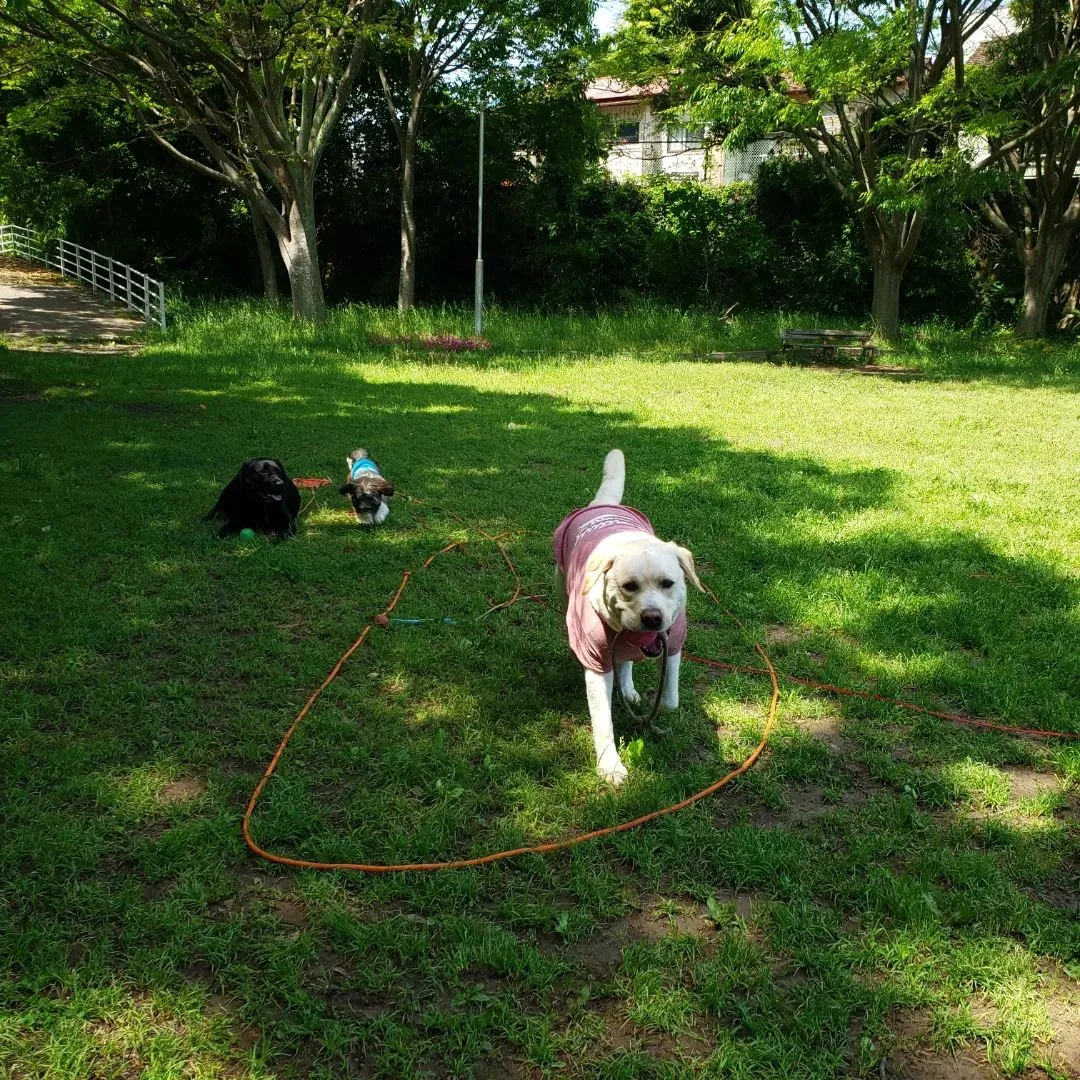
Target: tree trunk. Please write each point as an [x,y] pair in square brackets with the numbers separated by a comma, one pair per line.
[885,310]
[1042,268]
[892,242]
[407,274]
[266,254]
[296,242]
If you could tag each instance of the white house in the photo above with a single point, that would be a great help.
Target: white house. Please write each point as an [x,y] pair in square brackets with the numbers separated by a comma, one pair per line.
[643,148]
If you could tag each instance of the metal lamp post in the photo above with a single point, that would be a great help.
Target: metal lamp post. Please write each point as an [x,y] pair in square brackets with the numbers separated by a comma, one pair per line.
[478,302]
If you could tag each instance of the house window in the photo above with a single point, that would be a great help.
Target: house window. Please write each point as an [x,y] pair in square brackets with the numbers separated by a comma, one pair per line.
[628,132]
[685,138]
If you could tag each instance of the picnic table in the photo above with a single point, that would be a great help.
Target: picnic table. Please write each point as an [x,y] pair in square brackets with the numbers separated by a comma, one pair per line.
[830,342]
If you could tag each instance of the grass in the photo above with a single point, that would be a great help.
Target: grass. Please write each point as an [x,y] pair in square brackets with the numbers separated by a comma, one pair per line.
[882,887]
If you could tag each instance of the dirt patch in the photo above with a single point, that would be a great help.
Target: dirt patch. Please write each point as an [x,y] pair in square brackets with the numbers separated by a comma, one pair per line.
[805,804]
[1063,1009]
[158,890]
[779,634]
[331,971]
[16,271]
[825,729]
[26,397]
[185,790]
[910,1059]
[621,1034]
[350,1004]
[502,1065]
[602,954]
[484,981]
[290,912]
[198,971]
[937,1065]
[1027,783]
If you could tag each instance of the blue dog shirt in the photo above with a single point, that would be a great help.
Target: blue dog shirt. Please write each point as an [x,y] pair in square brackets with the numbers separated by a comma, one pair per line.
[363,465]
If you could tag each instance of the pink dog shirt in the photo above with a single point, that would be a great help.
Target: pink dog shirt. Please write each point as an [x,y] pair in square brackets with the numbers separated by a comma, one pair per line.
[590,637]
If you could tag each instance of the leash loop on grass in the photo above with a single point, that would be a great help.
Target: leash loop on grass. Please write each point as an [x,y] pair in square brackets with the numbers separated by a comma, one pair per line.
[383,620]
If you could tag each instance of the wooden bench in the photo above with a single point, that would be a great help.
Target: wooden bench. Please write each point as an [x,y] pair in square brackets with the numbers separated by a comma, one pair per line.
[830,342]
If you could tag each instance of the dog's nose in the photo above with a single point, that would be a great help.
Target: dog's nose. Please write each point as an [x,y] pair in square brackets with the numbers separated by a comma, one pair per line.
[652,619]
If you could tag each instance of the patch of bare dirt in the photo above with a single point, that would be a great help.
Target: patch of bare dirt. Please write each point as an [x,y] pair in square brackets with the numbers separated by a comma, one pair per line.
[937,1065]
[158,890]
[330,971]
[912,1059]
[502,1065]
[350,1004]
[26,397]
[18,272]
[290,912]
[1028,783]
[198,971]
[1063,1009]
[825,729]
[620,1033]
[602,953]
[186,789]
[779,634]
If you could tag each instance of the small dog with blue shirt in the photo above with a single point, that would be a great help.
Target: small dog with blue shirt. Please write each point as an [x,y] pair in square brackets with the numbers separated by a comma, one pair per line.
[367,489]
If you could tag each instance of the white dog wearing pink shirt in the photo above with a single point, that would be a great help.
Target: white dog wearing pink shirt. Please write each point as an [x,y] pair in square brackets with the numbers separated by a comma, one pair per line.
[622,589]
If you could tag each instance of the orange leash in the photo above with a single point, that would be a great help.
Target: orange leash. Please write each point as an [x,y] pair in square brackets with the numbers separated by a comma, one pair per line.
[459,864]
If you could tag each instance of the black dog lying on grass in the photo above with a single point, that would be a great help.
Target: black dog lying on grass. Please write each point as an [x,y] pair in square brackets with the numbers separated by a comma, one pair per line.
[260,497]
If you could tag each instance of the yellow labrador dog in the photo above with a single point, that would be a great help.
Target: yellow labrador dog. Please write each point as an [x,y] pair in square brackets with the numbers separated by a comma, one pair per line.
[622,588]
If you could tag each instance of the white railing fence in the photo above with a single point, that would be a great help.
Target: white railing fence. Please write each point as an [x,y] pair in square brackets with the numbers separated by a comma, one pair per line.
[137,291]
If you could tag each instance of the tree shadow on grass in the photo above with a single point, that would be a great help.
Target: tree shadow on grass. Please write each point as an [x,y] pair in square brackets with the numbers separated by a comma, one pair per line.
[182,659]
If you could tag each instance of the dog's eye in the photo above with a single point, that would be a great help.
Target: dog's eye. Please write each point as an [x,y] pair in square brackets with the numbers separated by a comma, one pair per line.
[666,583]
[629,586]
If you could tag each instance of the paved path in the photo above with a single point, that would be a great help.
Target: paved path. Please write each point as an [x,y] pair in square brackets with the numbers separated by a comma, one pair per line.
[38,303]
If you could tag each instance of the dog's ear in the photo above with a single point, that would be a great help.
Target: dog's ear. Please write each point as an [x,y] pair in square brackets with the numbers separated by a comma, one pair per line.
[686,561]
[595,568]
[347,489]
[385,487]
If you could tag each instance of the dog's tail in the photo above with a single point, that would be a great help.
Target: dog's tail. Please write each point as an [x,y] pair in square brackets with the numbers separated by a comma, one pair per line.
[611,486]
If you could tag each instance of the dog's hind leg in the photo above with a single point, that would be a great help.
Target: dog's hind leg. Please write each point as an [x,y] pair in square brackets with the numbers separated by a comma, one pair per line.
[610,491]
[560,594]
[598,687]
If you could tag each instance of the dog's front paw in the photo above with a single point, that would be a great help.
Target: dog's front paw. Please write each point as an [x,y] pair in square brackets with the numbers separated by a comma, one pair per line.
[610,767]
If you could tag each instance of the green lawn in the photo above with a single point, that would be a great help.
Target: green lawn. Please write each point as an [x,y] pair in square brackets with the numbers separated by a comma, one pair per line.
[881,887]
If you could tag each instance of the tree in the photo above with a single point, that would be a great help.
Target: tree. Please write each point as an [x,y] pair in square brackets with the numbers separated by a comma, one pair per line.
[464,45]
[1026,101]
[859,85]
[259,86]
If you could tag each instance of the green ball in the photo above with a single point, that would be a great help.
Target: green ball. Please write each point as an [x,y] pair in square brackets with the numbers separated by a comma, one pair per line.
[247,534]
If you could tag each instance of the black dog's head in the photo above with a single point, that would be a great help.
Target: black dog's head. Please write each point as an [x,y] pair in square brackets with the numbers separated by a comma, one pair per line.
[264,478]
[366,494]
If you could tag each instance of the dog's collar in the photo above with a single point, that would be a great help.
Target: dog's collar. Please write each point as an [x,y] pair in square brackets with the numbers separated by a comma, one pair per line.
[362,465]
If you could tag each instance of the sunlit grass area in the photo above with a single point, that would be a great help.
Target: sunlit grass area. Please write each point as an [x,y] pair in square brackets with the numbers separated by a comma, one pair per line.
[884,893]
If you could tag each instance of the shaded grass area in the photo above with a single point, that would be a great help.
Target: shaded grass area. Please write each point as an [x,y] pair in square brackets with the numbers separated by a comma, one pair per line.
[881,888]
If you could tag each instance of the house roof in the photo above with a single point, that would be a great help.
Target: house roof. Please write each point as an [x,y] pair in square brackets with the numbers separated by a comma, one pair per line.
[607,91]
